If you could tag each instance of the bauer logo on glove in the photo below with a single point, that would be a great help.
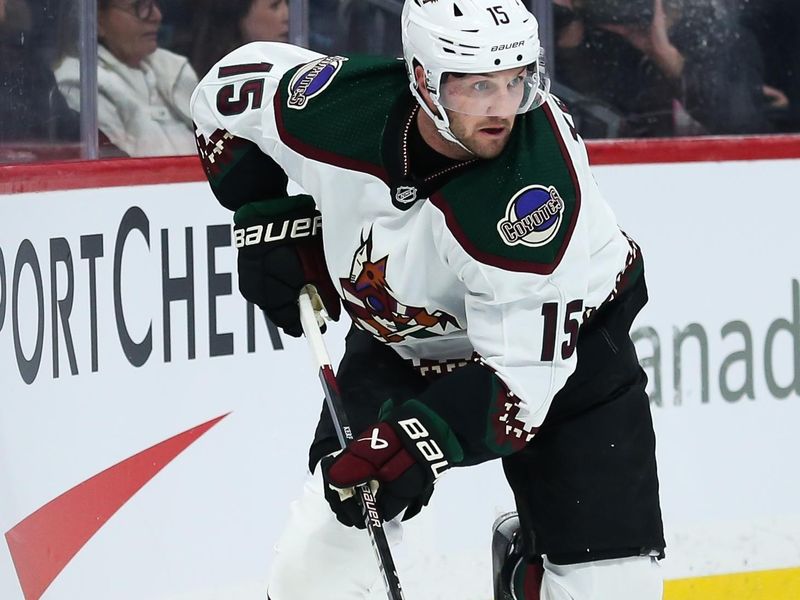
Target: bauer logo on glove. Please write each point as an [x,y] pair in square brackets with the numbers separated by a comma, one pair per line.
[400,458]
[280,252]
[276,231]
[427,447]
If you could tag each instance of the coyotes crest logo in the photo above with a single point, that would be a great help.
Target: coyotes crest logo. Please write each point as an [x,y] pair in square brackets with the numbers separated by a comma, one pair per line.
[369,299]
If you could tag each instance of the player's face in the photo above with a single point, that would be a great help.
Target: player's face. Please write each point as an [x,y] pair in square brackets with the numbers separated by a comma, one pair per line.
[482,108]
[267,21]
[485,137]
[129,29]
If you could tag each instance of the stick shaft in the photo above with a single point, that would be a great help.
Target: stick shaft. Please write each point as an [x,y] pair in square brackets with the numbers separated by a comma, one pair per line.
[333,398]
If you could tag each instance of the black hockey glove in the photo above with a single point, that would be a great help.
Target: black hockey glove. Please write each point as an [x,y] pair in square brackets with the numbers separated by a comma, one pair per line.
[405,453]
[280,251]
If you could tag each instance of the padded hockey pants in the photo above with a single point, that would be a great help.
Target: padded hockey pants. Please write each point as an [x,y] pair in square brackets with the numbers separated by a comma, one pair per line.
[318,557]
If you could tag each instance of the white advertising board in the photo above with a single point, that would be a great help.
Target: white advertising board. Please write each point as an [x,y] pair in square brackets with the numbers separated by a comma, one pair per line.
[720,341]
[114,342]
[121,333]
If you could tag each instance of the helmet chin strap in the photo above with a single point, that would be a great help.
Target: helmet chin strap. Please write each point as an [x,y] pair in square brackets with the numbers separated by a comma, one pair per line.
[440,120]
[443,127]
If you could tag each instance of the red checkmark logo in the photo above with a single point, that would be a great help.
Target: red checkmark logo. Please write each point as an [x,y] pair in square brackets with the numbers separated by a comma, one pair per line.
[44,542]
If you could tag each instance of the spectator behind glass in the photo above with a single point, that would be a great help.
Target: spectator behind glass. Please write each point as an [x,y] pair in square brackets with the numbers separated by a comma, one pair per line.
[370,28]
[776,26]
[223,25]
[144,91]
[654,61]
[32,111]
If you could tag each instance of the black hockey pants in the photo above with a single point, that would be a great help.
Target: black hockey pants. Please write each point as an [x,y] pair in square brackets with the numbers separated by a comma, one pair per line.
[586,486]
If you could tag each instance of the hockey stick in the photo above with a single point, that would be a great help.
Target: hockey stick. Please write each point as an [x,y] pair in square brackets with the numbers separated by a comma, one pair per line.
[377,535]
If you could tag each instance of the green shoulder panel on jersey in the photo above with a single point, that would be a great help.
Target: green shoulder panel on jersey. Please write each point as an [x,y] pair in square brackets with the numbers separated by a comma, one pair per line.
[334,109]
[518,211]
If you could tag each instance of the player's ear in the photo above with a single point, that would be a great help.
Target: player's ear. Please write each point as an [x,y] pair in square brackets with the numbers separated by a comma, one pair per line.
[419,75]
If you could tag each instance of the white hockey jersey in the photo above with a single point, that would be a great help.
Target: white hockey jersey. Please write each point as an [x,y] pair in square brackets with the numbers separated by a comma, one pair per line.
[502,261]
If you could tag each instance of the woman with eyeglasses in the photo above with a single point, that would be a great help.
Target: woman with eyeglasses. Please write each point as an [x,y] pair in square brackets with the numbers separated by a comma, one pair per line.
[144,90]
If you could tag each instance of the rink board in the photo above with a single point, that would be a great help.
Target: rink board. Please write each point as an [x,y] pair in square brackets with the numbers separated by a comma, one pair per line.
[153,430]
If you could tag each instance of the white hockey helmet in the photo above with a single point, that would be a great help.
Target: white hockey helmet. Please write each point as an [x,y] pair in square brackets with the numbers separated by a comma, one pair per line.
[475,37]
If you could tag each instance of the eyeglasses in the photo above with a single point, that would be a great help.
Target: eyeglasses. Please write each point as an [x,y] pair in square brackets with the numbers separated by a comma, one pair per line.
[141,9]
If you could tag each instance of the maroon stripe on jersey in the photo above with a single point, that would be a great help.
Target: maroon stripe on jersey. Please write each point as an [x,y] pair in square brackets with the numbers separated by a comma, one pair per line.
[324,156]
[232,70]
[484,257]
[509,264]
[574,176]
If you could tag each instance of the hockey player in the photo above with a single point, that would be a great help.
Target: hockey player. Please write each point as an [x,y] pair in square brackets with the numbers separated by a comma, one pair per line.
[490,288]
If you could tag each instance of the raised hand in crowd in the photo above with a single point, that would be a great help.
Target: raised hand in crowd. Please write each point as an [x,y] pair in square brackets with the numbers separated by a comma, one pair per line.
[653,40]
[663,67]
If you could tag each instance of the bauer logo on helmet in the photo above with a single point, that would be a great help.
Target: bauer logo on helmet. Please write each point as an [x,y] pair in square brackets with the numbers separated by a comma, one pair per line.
[508,46]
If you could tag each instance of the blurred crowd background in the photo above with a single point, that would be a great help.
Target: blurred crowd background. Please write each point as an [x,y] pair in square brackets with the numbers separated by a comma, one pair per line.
[112,78]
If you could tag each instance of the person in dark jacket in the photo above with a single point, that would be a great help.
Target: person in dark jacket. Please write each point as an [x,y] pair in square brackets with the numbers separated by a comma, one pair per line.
[775,24]
[33,112]
[668,67]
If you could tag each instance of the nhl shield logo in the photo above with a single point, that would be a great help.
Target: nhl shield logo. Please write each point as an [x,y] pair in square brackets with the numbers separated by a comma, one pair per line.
[405,194]
[312,79]
[533,217]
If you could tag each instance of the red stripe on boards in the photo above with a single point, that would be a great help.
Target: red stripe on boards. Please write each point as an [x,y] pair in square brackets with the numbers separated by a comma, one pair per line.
[50,176]
[44,177]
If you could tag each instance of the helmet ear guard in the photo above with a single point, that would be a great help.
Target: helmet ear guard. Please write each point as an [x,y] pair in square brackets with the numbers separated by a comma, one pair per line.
[437,113]
[470,37]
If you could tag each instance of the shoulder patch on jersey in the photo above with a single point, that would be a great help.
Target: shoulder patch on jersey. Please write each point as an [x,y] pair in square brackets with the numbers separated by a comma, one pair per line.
[533,217]
[344,125]
[517,211]
[311,79]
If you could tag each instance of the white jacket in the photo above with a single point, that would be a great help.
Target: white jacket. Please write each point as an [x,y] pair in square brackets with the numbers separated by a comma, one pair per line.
[143,111]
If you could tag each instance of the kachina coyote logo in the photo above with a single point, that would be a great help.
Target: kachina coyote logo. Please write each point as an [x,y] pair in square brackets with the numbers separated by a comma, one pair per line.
[533,217]
[369,299]
[312,79]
